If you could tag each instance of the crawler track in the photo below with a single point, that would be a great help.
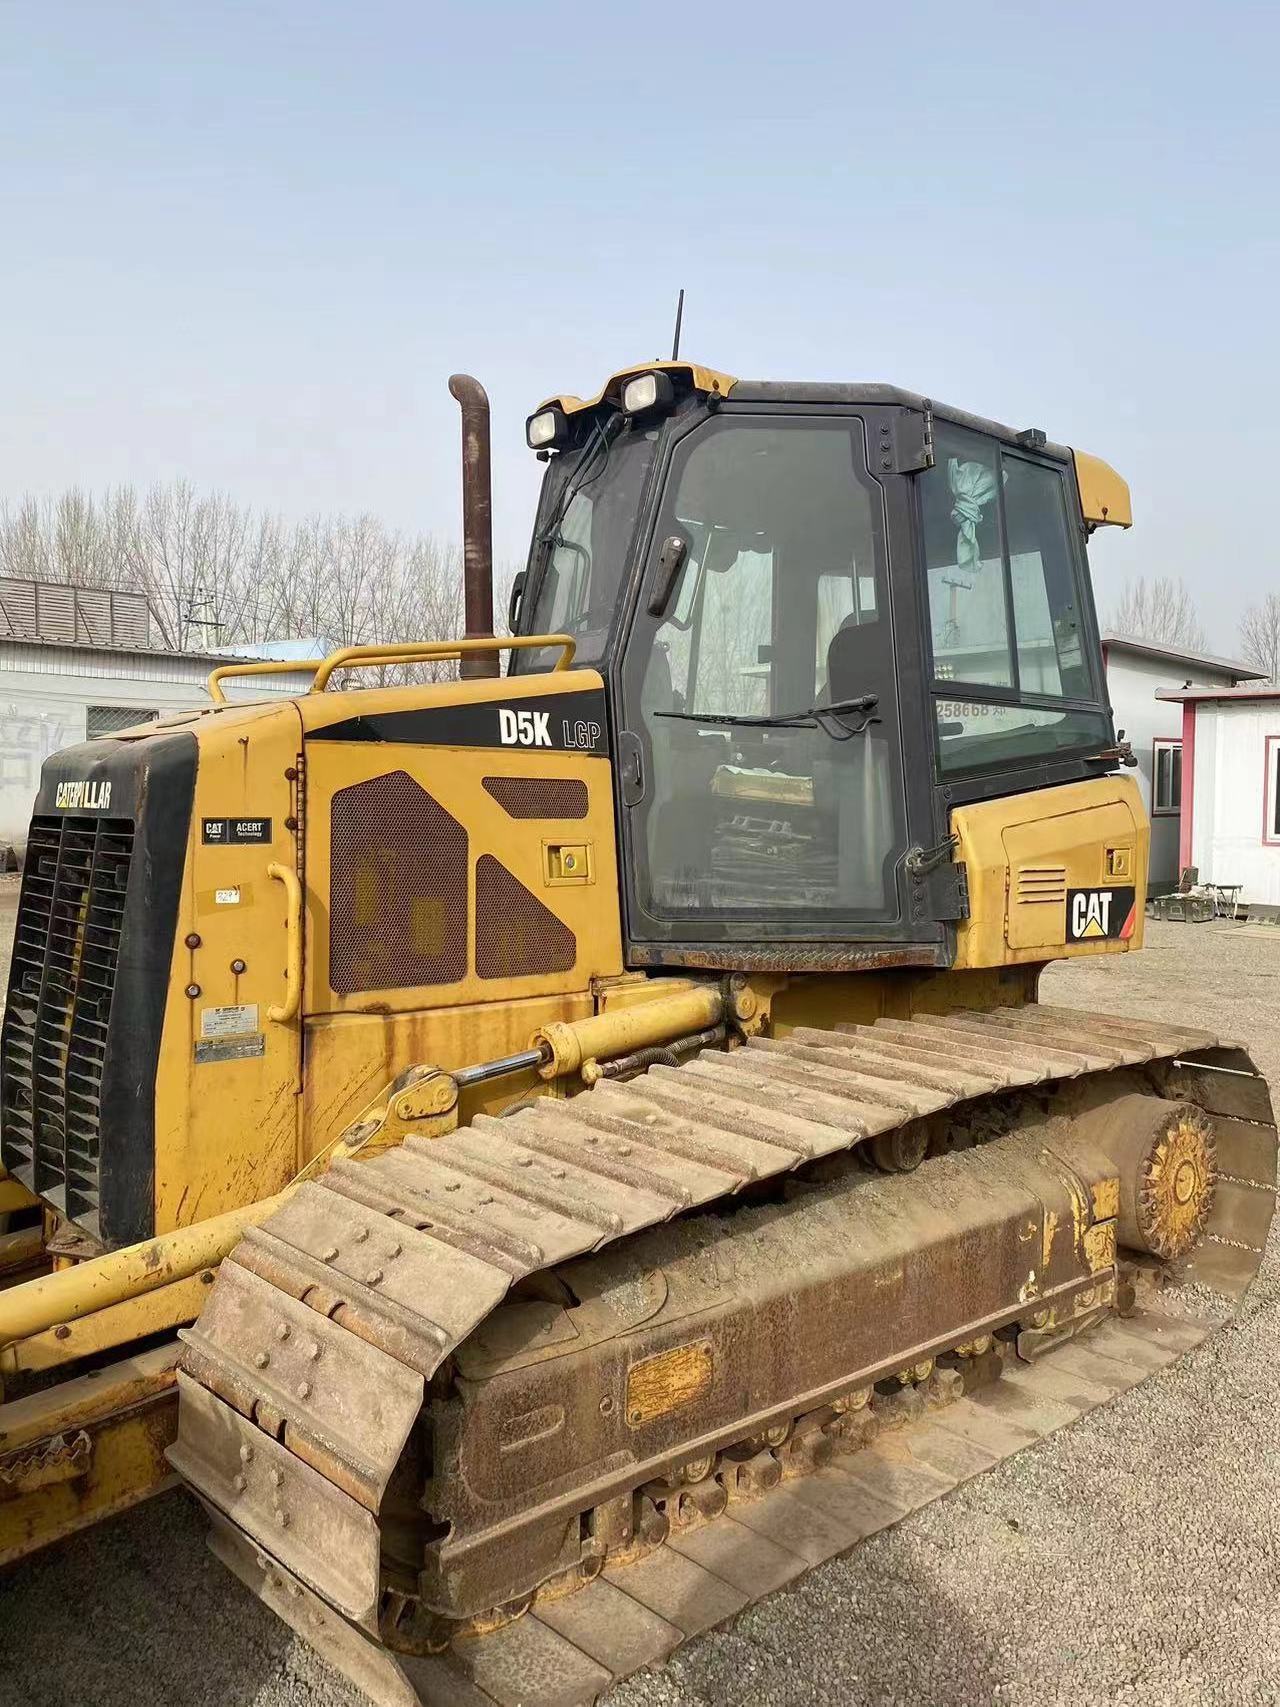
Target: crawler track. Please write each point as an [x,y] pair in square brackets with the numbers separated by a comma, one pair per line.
[347,1409]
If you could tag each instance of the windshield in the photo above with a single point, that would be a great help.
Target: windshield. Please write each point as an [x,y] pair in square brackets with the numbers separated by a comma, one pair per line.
[585,522]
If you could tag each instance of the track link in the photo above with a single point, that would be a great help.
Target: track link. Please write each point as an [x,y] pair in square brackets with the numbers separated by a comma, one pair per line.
[305,1382]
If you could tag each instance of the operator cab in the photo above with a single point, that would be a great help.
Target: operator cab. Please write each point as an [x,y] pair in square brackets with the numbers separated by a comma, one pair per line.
[825,615]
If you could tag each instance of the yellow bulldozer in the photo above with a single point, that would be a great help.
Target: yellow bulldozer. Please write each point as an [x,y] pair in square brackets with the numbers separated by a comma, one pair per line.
[547,1155]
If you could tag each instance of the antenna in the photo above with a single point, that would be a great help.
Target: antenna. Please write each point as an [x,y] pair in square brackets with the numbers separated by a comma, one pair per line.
[675,342]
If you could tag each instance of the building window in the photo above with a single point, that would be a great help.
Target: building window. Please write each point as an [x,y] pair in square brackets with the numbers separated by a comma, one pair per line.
[1271,805]
[1166,778]
[110,719]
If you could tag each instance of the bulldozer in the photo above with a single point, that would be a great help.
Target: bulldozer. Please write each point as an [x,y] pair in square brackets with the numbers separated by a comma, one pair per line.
[550,1153]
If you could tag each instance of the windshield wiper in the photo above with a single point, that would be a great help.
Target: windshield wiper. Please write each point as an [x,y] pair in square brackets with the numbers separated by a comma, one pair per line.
[824,717]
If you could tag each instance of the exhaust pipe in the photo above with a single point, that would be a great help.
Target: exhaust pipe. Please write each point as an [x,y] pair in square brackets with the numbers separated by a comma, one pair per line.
[477,521]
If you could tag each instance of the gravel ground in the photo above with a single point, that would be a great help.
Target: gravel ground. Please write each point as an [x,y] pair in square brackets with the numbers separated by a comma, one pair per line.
[1131,1559]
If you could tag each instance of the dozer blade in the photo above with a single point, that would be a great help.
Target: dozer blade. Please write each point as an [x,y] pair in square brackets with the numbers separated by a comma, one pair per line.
[625,1362]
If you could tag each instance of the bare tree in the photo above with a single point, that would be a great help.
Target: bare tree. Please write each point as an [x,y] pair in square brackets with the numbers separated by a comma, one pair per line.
[1160,609]
[217,574]
[1260,637]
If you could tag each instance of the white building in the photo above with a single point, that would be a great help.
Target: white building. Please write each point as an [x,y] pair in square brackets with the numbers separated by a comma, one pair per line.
[1141,677]
[76,662]
[1231,788]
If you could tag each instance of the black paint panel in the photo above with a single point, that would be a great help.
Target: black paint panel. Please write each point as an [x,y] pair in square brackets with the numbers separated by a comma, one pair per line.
[548,723]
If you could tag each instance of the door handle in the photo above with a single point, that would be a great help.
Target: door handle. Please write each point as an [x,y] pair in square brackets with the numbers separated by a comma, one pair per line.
[282,1012]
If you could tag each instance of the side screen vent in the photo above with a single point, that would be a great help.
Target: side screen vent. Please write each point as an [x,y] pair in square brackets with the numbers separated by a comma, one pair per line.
[539,796]
[397,888]
[516,936]
[61,984]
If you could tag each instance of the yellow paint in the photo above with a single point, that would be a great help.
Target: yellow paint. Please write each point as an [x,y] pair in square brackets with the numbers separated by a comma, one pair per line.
[53,1299]
[134,1319]
[1099,1245]
[1106,1198]
[661,1385]
[1050,1228]
[130,1413]
[568,1045]
[706,379]
[1104,496]
[1067,827]
[14,1195]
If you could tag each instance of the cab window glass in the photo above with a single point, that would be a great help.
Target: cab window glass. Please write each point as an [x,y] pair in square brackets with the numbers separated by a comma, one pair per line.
[1007,622]
[968,607]
[780,608]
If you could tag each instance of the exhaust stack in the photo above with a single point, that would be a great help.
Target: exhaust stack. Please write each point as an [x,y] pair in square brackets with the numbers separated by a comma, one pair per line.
[477,520]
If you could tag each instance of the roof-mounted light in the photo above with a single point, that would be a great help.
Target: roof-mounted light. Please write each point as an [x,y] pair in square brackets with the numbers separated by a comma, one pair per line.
[647,391]
[548,429]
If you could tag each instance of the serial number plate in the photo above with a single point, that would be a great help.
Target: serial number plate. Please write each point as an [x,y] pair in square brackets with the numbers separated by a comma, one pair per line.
[235,1021]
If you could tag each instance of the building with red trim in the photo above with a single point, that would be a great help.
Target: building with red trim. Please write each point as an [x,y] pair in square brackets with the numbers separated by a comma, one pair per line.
[1230,820]
[1142,675]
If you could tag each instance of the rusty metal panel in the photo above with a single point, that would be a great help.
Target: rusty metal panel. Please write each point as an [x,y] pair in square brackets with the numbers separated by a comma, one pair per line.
[289,1509]
[462,1200]
[860,1050]
[613,1206]
[735,1100]
[569,1132]
[689,1123]
[1079,1033]
[347,1407]
[1165,1039]
[1057,1057]
[403,1265]
[1002,1064]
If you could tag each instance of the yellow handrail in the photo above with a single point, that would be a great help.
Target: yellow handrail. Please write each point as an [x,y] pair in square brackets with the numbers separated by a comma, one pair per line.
[271,668]
[389,652]
[421,651]
[282,1012]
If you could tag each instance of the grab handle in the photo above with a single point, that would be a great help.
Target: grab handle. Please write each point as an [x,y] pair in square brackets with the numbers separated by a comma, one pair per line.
[282,1012]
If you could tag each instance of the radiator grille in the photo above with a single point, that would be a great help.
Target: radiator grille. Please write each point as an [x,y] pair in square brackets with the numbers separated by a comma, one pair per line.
[539,796]
[398,888]
[1040,883]
[516,936]
[61,982]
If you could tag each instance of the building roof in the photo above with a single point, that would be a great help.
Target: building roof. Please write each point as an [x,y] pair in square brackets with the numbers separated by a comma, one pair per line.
[69,614]
[1265,691]
[158,652]
[1234,667]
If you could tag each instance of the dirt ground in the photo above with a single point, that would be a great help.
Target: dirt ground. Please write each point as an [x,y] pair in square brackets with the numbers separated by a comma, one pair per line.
[1131,1559]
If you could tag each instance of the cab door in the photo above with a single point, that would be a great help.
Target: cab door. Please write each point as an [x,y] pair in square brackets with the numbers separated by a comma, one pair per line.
[760,742]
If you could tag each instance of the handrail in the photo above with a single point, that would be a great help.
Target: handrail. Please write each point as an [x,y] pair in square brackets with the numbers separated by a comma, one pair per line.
[417,652]
[282,1012]
[283,667]
[389,652]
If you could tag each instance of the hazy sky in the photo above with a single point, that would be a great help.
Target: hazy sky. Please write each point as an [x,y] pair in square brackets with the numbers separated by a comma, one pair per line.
[247,243]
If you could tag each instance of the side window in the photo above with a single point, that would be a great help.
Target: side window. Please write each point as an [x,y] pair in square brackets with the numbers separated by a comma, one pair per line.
[1271,803]
[1166,778]
[1005,579]
[968,603]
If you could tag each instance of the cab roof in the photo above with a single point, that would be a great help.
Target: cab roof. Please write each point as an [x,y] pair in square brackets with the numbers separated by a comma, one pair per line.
[1104,494]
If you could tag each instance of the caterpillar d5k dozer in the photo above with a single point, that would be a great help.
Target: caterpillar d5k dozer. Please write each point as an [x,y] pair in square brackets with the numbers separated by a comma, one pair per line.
[598,1118]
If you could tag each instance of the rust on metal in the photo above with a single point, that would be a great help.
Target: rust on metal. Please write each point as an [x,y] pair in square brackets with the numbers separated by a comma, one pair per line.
[584,1363]
[477,521]
[791,957]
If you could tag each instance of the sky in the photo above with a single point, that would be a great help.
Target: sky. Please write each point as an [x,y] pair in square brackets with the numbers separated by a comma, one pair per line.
[246,244]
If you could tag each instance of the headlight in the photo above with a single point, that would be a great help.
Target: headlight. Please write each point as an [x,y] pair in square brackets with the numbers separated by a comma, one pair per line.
[647,391]
[547,429]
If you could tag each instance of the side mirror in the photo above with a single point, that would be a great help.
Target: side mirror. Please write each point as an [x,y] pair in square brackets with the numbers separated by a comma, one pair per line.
[670,562]
[516,599]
